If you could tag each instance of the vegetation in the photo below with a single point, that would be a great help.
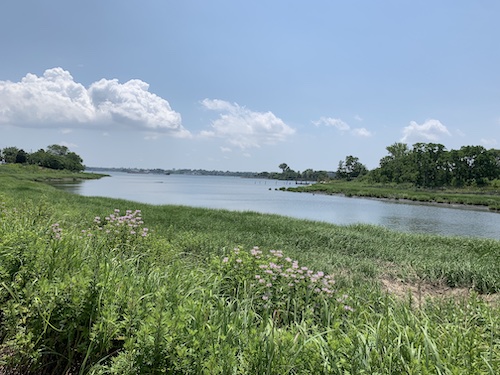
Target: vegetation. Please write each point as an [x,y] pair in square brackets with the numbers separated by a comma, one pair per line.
[485,196]
[350,168]
[289,174]
[35,173]
[431,165]
[55,157]
[427,173]
[93,285]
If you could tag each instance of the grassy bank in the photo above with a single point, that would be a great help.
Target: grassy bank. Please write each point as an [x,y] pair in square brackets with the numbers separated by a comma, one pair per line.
[87,287]
[35,173]
[488,197]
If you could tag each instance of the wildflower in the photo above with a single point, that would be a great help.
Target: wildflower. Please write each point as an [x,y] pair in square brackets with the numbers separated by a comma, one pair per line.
[265,298]
[238,260]
[57,231]
[225,260]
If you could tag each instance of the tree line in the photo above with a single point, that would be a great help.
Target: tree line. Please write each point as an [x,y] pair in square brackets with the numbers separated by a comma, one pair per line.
[431,165]
[54,157]
[424,165]
[289,174]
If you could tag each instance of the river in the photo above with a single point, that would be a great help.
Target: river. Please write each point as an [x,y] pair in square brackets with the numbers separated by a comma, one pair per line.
[260,195]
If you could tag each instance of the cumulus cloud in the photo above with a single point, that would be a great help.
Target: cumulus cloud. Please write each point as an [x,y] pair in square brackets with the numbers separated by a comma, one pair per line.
[334,122]
[361,132]
[430,131]
[245,128]
[342,126]
[56,100]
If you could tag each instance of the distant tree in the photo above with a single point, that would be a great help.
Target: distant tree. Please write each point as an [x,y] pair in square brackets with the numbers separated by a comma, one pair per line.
[10,154]
[430,164]
[21,157]
[57,150]
[350,168]
[38,158]
[73,162]
[284,167]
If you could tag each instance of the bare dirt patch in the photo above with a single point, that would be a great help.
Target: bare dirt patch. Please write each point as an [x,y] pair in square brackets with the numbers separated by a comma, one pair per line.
[420,292]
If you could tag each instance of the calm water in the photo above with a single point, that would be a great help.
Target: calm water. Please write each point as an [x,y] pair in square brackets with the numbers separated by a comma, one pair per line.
[242,194]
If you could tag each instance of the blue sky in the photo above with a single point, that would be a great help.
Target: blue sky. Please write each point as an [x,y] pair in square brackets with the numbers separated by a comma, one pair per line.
[247,85]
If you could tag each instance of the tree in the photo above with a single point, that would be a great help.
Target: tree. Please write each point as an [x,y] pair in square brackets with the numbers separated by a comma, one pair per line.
[430,164]
[284,167]
[73,162]
[57,150]
[10,154]
[350,168]
[395,166]
[21,157]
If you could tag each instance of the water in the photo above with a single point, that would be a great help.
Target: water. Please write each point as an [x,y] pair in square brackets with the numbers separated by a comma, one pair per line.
[244,194]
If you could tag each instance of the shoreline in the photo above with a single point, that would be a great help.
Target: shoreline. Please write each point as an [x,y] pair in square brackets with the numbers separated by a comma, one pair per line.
[456,206]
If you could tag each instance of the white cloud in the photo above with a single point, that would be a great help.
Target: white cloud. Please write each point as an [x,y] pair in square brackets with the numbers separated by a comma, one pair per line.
[245,128]
[56,100]
[361,132]
[225,149]
[343,126]
[430,131]
[334,122]
[358,118]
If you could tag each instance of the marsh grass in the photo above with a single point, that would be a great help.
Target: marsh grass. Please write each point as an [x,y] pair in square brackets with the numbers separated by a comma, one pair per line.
[36,173]
[184,297]
[472,196]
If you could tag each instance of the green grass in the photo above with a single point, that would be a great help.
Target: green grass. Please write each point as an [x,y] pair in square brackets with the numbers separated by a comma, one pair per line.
[35,173]
[182,300]
[488,196]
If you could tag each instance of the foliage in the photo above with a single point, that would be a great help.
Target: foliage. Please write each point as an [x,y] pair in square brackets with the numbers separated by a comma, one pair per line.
[431,165]
[488,196]
[277,285]
[289,174]
[350,168]
[35,173]
[55,157]
[176,301]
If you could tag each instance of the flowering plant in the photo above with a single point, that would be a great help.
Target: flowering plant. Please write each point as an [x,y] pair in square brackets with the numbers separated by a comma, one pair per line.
[119,229]
[278,284]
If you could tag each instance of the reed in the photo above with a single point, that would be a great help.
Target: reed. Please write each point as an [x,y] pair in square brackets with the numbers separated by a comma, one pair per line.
[105,286]
[475,196]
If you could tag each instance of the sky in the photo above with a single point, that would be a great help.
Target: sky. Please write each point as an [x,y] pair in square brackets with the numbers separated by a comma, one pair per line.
[247,85]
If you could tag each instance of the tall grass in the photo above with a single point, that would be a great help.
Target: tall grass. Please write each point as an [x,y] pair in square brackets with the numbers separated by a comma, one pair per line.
[88,287]
[487,196]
